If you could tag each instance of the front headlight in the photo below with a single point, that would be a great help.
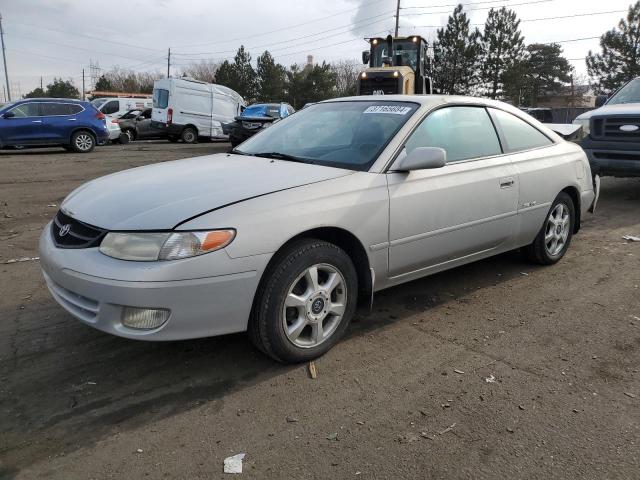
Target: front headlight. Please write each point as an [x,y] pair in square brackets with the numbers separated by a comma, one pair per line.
[152,246]
[585,122]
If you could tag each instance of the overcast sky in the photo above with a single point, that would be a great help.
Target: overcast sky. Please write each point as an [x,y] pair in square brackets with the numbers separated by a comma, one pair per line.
[60,37]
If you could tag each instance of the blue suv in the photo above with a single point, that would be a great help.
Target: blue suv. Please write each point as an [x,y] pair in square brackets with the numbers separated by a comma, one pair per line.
[73,124]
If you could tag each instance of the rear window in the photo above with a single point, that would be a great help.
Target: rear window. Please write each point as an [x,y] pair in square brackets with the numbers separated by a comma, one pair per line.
[59,109]
[160,98]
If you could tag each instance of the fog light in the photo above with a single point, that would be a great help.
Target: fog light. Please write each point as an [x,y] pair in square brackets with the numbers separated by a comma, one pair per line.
[144,318]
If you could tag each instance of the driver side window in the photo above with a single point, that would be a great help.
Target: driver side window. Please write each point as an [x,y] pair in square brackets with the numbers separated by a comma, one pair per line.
[463,132]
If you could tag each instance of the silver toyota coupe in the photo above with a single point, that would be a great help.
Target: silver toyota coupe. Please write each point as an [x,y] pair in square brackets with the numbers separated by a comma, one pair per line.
[283,236]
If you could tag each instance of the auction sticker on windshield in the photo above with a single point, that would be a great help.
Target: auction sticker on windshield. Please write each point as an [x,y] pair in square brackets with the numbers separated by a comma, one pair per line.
[395,109]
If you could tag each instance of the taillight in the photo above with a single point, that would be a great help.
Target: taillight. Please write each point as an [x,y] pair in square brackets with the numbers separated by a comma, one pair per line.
[100,115]
[115,120]
[169,116]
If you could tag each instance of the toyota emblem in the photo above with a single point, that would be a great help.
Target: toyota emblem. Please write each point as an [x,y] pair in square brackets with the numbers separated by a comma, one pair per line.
[64,230]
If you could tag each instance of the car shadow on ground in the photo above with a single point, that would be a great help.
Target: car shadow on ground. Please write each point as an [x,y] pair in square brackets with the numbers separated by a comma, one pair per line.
[77,385]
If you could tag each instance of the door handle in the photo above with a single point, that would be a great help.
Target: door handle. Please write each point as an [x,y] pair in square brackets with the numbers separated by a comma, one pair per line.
[36,121]
[507,182]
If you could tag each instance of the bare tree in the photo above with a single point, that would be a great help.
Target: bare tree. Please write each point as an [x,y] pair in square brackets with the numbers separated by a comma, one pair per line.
[204,70]
[128,81]
[346,75]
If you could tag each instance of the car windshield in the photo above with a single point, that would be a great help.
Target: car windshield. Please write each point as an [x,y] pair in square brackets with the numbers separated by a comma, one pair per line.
[343,134]
[97,102]
[262,110]
[630,93]
[405,52]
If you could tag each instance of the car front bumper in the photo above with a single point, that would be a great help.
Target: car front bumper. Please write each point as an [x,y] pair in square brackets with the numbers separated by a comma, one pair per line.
[95,289]
[618,159]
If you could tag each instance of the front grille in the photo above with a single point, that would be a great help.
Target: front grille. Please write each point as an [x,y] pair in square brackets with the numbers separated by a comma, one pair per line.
[71,233]
[608,128]
[378,86]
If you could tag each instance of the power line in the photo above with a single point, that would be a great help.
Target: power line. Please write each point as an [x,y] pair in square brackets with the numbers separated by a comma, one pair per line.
[102,40]
[349,28]
[289,27]
[480,8]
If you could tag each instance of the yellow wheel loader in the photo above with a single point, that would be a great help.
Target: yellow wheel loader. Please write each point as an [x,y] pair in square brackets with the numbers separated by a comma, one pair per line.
[398,65]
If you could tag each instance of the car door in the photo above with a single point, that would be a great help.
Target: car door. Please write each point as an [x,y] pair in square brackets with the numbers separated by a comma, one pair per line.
[58,120]
[466,208]
[22,125]
[110,107]
[541,171]
[143,124]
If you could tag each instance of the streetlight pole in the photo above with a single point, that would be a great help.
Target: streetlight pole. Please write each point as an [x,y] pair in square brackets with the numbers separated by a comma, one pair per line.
[4,58]
[397,17]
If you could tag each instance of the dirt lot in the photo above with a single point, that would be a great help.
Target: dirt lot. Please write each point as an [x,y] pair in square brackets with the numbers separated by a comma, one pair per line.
[406,395]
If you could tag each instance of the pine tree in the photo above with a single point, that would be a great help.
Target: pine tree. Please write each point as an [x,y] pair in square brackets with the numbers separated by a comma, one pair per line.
[225,75]
[271,79]
[456,70]
[619,60]
[60,88]
[502,48]
[245,75]
[103,84]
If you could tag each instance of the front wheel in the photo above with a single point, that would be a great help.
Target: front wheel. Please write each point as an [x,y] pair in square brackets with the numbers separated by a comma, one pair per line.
[82,142]
[130,134]
[553,240]
[305,303]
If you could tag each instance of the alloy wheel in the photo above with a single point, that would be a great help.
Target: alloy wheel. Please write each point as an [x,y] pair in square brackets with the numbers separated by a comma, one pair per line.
[84,142]
[314,305]
[557,231]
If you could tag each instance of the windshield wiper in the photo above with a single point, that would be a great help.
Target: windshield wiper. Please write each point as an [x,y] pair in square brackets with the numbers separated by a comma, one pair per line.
[281,156]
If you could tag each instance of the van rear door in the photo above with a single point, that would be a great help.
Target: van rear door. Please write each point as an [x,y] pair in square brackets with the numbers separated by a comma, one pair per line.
[160,105]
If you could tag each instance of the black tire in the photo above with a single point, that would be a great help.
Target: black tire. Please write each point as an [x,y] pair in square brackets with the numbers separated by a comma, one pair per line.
[131,133]
[267,324]
[541,250]
[173,138]
[189,135]
[83,141]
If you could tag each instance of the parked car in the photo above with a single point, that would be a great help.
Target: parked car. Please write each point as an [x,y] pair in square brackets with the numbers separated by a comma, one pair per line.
[281,238]
[36,122]
[136,124]
[185,109]
[115,134]
[253,119]
[611,132]
[116,107]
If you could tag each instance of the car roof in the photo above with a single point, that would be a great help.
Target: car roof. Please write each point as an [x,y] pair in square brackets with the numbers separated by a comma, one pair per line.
[46,100]
[264,105]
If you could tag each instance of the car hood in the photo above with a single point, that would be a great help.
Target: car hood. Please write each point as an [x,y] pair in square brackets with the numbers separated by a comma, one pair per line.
[620,109]
[161,196]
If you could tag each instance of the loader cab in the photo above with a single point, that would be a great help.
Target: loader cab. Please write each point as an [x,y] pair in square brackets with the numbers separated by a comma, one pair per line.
[396,65]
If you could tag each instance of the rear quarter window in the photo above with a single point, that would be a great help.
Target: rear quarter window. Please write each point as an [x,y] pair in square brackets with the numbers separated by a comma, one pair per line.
[518,134]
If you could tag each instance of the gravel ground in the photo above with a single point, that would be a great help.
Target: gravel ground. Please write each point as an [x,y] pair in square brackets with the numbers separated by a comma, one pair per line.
[494,370]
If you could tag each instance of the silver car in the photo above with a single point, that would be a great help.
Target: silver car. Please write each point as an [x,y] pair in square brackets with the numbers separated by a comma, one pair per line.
[286,234]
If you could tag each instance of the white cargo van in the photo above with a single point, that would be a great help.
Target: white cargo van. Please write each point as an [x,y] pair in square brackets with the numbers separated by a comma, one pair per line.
[187,109]
[116,107]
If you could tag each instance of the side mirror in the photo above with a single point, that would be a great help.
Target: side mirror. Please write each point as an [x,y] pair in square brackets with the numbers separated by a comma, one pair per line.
[9,115]
[421,158]
[601,100]
[366,56]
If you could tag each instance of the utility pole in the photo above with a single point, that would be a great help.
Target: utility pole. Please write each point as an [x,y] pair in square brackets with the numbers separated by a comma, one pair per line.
[4,58]
[41,83]
[169,63]
[83,97]
[397,17]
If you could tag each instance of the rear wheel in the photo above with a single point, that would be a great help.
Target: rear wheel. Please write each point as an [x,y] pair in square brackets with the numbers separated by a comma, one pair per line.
[554,238]
[189,135]
[82,142]
[305,303]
